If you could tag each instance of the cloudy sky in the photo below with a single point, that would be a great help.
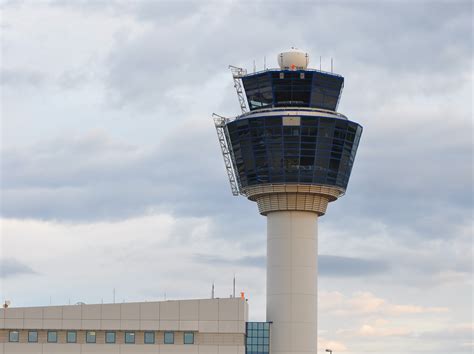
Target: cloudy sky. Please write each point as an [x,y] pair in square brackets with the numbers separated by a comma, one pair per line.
[111,174]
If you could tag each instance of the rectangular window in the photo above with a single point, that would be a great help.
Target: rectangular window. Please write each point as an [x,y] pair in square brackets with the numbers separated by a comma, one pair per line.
[52,337]
[188,338]
[71,337]
[169,337]
[129,337]
[14,336]
[110,337]
[91,337]
[149,338]
[32,336]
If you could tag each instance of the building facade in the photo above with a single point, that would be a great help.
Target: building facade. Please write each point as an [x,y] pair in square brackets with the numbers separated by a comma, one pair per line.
[210,326]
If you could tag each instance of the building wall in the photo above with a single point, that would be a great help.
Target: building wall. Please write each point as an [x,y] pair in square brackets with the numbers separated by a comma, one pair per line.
[218,326]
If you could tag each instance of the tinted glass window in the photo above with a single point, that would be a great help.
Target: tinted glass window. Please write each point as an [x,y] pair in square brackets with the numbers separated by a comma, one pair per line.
[169,337]
[71,337]
[32,336]
[149,338]
[52,337]
[188,338]
[317,151]
[129,337]
[91,336]
[110,337]
[14,336]
[258,338]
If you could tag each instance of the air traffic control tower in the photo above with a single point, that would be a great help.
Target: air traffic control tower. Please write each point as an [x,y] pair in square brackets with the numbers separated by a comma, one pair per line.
[292,153]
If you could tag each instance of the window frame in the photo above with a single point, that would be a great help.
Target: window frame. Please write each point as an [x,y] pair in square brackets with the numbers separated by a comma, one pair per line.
[29,334]
[172,337]
[94,336]
[67,336]
[49,339]
[128,333]
[114,334]
[184,337]
[145,337]
[13,331]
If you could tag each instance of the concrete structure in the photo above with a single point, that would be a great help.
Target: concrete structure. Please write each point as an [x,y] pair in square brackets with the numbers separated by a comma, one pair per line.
[211,326]
[291,153]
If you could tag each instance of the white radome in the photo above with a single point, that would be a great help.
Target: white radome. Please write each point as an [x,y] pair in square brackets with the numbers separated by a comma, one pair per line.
[293,59]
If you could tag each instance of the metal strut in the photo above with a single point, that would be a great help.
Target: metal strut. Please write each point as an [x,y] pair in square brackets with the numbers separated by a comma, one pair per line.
[220,123]
[237,74]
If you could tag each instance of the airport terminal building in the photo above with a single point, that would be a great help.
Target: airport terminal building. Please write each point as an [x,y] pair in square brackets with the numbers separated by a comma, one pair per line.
[207,326]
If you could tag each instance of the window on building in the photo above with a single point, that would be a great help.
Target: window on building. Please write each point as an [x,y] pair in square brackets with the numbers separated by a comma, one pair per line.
[129,337]
[258,338]
[52,337]
[71,337]
[110,337]
[32,336]
[91,337]
[188,338]
[169,337]
[149,338]
[14,336]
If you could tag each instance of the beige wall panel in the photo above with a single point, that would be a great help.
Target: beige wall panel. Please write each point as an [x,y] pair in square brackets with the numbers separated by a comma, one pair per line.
[228,349]
[61,348]
[208,326]
[90,324]
[71,324]
[53,312]
[228,326]
[169,310]
[179,349]
[52,323]
[208,310]
[208,349]
[19,348]
[33,323]
[110,324]
[188,325]
[100,348]
[189,310]
[14,313]
[130,311]
[72,312]
[147,325]
[14,323]
[130,324]
[169,325]
[91,312]
[228,310]
[150,311]
[111,311]
[33,312]
[137,348]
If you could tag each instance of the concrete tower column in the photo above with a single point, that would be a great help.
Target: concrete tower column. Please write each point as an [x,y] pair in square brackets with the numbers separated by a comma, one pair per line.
[292,281]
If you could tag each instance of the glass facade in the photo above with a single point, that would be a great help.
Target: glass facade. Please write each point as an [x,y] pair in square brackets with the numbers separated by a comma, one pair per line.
[32,336]
[285,88]
[257,338]
[307,150]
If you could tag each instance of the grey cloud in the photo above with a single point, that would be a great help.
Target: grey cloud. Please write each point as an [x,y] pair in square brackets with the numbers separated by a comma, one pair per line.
[21,78]
[329,265]
[11,267]
[338,266]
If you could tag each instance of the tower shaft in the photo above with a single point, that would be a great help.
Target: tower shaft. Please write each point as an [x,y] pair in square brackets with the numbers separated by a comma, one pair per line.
[292,281]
